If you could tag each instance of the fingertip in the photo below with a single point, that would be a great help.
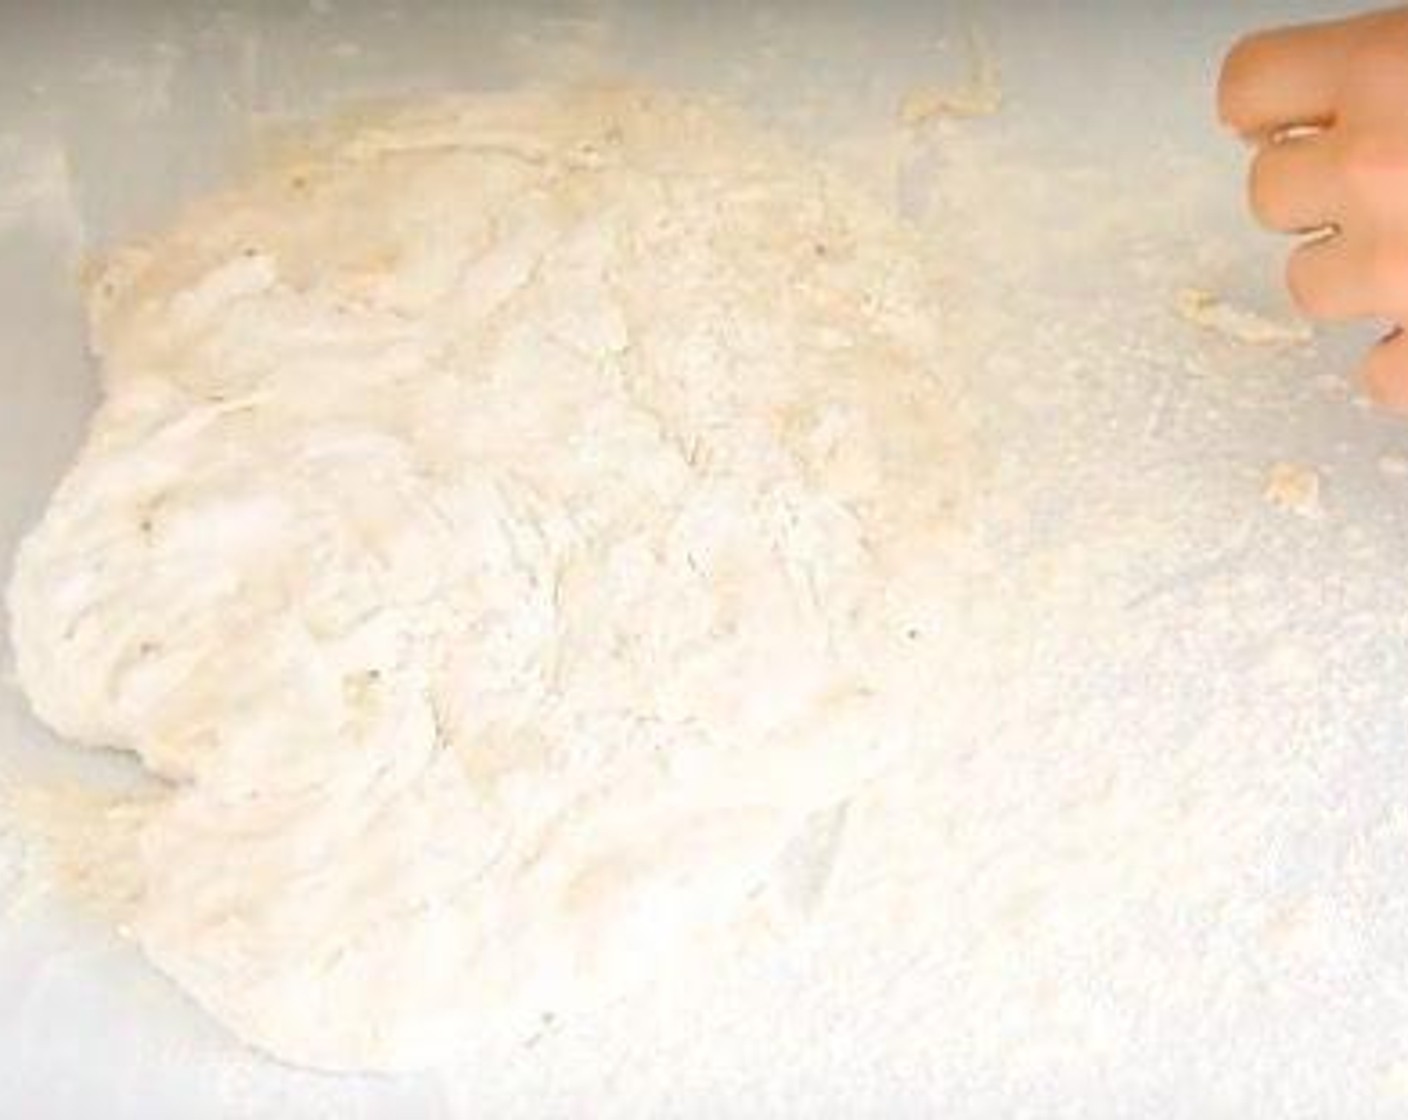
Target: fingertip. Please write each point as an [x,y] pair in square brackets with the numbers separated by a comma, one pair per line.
[1239,74]
[1285,77]
[1384,374]
[1315,280]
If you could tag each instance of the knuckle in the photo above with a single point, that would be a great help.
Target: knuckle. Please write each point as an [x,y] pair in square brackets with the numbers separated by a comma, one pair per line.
[1377,58]
[1375,168]
[1386,276]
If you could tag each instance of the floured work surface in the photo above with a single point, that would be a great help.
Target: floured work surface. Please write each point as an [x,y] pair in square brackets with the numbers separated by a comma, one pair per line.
[1150,859]
[507,527]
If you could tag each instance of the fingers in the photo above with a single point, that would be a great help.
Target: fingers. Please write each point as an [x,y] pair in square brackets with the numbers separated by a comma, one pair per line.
[1328,278]
[1294,184]
[1351,274]
[1385,373]
[1280,79]
[1327,106]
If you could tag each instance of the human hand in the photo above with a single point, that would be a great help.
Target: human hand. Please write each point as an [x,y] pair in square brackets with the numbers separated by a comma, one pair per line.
[1327,107]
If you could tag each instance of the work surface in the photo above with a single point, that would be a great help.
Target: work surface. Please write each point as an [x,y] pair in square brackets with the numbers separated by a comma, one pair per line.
[1151,864]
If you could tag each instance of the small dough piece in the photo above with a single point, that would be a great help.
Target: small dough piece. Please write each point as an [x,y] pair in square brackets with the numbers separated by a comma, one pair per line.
[981,95]
[923,104]
[1209,311]
[502,529]
[1295,489]
[1393,466]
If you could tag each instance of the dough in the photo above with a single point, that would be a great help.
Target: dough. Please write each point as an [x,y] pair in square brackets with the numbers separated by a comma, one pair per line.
[508,522]
[981,95]
[1295,488]
[1210,312]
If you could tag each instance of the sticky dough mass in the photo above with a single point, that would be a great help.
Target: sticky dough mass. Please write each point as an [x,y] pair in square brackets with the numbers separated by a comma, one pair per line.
[506,524]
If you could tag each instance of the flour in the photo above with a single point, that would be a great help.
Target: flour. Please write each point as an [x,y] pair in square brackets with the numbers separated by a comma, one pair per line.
[507,528]
[37,188]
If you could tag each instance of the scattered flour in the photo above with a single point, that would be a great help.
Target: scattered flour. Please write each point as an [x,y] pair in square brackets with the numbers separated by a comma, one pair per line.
[36,188]
[507,530]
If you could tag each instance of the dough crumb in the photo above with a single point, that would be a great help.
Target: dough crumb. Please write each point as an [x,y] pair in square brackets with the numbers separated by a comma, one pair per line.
[1209,311]
[981,95]
[1296,489]
[1393,466]
[81,840]
[923,104]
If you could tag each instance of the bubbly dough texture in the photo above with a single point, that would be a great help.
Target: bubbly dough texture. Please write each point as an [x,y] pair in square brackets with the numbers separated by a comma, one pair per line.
[508,521]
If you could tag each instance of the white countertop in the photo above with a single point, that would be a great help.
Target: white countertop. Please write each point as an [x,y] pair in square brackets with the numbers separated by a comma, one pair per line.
[1154,867]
